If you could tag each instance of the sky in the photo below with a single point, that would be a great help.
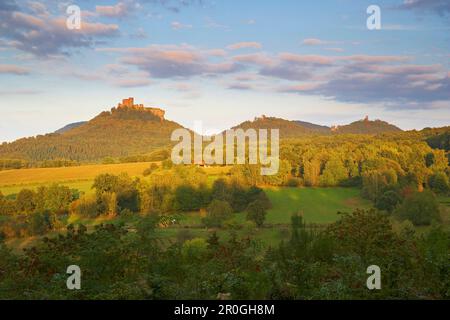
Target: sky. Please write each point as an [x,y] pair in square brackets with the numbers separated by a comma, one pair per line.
[224,61]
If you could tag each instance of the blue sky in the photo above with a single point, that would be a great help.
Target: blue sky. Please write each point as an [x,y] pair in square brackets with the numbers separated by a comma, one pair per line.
[223,62]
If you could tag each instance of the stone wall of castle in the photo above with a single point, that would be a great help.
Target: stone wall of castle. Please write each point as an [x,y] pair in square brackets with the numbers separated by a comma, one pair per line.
[129,104]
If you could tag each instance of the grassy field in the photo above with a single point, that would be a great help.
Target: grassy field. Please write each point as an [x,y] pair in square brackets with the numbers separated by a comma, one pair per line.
[80,177]
[317,205]
[40,175]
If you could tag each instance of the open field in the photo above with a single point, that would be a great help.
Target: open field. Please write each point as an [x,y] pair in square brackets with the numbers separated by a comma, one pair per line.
[67,174]
[317,205]
[79,177]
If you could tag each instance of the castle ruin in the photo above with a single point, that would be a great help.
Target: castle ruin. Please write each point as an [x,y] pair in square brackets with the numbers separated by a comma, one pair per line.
[129,104]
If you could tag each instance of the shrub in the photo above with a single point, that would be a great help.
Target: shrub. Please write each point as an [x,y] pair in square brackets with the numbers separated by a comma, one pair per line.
[439,183]
[294,182]
[85,206]
[421,208]
[195,248]
[388,201]
[218,211]
[184,235]
[256,212]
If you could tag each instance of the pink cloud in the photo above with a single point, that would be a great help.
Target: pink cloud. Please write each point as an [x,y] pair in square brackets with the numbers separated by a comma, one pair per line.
[179,26]
[118,10]
[243,45]
[314,42]
[307,59]
[13,69]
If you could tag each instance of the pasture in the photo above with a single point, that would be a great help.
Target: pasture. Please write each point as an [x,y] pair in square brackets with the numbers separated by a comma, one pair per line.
[79,177]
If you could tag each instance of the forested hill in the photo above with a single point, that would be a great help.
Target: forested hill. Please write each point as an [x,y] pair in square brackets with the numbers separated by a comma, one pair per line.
[288,129]
[294,129]
[124,131]
[70,126]
[366,126]
[132,129]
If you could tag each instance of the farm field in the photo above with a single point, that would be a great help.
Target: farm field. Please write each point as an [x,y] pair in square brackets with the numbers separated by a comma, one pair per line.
[36,176]
[79,177]
[317,205]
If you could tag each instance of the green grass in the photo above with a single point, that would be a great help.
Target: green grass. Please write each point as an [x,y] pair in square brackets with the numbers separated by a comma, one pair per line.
[317,205]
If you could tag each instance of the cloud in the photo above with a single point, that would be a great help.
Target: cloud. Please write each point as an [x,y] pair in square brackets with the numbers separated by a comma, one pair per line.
[393,85]
[44,35]
[174,5]
[179,26]
[120,10]
[240,86]
[13,69]
[173,61]
[392,80]
[335,49]
[244,45]
[258,59]
[314,42]
[440,7]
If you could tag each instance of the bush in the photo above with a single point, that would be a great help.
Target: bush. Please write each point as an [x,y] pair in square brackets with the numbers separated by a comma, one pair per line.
[184,235]
[388,201]
[86,206]
[421,208]
[256,212]
[195,248]
[40,223]
[439,183]
[218,211]
[294,182]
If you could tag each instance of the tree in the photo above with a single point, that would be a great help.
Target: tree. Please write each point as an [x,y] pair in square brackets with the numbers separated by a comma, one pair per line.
[334,173]
[58,199]
[213,241]
[256,212]
[105,183]
[217,212]
[187,198]
[439,182]
[311,172]
[421,208]
[429,159]
[220,190]
[388,201]
[25,201]
[40,223]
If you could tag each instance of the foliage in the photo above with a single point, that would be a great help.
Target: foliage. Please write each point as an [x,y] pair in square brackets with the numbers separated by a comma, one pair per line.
[256,212]
[421,208]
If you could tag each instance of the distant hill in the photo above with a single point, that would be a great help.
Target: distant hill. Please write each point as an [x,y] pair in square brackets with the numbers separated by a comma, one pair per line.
[288,129]
[70,126]
[131,130]
[366,126]
[292,129]
[314,127]
[126,130]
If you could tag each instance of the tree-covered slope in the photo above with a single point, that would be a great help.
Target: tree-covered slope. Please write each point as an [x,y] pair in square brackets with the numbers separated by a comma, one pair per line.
[121,132]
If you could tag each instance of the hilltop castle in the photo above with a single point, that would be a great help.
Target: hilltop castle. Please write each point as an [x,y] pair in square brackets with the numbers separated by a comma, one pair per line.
[128,104]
